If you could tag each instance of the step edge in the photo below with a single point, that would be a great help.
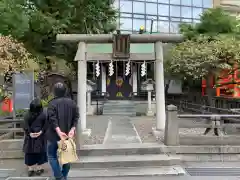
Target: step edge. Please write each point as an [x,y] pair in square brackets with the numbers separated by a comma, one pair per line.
[108,172]
[122,146]
[119,158]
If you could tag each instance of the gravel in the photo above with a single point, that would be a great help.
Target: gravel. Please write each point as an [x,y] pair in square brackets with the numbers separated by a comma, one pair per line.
[98,126]
[144,126]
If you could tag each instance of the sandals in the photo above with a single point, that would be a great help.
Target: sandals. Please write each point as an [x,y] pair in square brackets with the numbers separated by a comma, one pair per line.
[31,173]
[38,172]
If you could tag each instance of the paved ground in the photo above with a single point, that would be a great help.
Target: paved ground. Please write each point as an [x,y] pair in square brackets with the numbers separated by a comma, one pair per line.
[164,178]
[20,170]
[98,125]
[121,131]
[137,127]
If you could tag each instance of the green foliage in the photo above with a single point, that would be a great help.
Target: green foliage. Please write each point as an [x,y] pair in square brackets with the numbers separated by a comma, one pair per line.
[211,45]
[46,101]
[21,112]
[196,59]
[212,22]
[36,23]
[13,18]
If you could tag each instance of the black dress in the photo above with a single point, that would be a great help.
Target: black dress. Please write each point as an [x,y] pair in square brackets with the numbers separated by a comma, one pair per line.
[35,148]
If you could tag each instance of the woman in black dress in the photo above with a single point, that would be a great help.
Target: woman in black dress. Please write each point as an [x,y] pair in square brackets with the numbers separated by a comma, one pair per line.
[35,142]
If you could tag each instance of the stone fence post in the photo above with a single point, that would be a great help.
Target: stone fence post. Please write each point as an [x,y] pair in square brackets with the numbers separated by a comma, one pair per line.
[171,136]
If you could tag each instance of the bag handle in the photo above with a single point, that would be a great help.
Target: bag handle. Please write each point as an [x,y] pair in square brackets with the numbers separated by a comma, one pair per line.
[73,145]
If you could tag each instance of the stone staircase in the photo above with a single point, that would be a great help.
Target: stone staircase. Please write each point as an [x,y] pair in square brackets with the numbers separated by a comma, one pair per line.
[118,160]
[125,160]
[123,108]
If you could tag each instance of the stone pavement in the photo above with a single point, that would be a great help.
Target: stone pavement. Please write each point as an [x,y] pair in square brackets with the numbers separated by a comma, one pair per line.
[165,178]
[121,131]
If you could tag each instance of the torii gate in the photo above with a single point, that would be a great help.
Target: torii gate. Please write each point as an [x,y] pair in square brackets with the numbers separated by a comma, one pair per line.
[121,51]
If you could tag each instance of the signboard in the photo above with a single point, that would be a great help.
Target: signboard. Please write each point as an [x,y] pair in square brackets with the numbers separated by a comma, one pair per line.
[23,92]
[121,46]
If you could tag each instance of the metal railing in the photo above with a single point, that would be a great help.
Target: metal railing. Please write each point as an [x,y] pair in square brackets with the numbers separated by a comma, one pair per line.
[10,128]
[217,122]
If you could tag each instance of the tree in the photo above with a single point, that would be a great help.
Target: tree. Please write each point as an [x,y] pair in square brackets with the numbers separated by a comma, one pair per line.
[209,47]
[38,22]
[13,57]
[13,18]
[212,22]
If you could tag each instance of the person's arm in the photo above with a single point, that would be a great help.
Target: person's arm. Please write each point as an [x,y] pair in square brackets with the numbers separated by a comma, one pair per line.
[52,117]
[76,117]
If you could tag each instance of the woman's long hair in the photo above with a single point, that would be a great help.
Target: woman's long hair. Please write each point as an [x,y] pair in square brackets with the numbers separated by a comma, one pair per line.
[35,109]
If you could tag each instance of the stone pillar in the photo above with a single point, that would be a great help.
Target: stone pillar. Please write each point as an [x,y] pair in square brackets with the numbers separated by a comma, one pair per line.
[160,96]
[82,88]
[89,104]
[149,111]
[171,137]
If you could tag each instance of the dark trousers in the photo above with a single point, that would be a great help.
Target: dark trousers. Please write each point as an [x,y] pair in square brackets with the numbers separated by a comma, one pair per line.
[35,158]
[59,172]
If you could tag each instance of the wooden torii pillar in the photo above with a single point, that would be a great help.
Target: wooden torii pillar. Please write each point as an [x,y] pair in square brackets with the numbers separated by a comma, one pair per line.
[82,57]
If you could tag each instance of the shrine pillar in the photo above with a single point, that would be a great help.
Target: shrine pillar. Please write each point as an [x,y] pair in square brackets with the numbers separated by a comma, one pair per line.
[82,89]
[160,87]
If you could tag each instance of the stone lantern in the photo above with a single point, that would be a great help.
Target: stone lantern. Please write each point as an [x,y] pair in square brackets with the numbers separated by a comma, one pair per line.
[91,86]
[148,86]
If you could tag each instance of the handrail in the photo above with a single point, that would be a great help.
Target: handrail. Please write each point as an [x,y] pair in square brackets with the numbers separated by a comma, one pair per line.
[209,116]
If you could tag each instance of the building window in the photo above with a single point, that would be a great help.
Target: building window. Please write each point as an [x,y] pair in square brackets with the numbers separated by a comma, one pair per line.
[174,27]
[196,21]
[126,6]
[175,11]
[186,12]
[208,3]
[152,1]
[138,7]
[163,10]
[151,8]
[175,19]
[126,23]
[139,16]
[186,2]
[148,26]
[151,17]
[197,12]
[163,26]
[186,20]
[163,1]
[137,23]
[197,3]
[177,2]
[163,18]
[129,15]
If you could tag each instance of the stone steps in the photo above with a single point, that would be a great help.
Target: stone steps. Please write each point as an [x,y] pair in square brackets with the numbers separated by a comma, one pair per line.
[119,108]
[126,161]
[119,160]
[121,149]
[121,172]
